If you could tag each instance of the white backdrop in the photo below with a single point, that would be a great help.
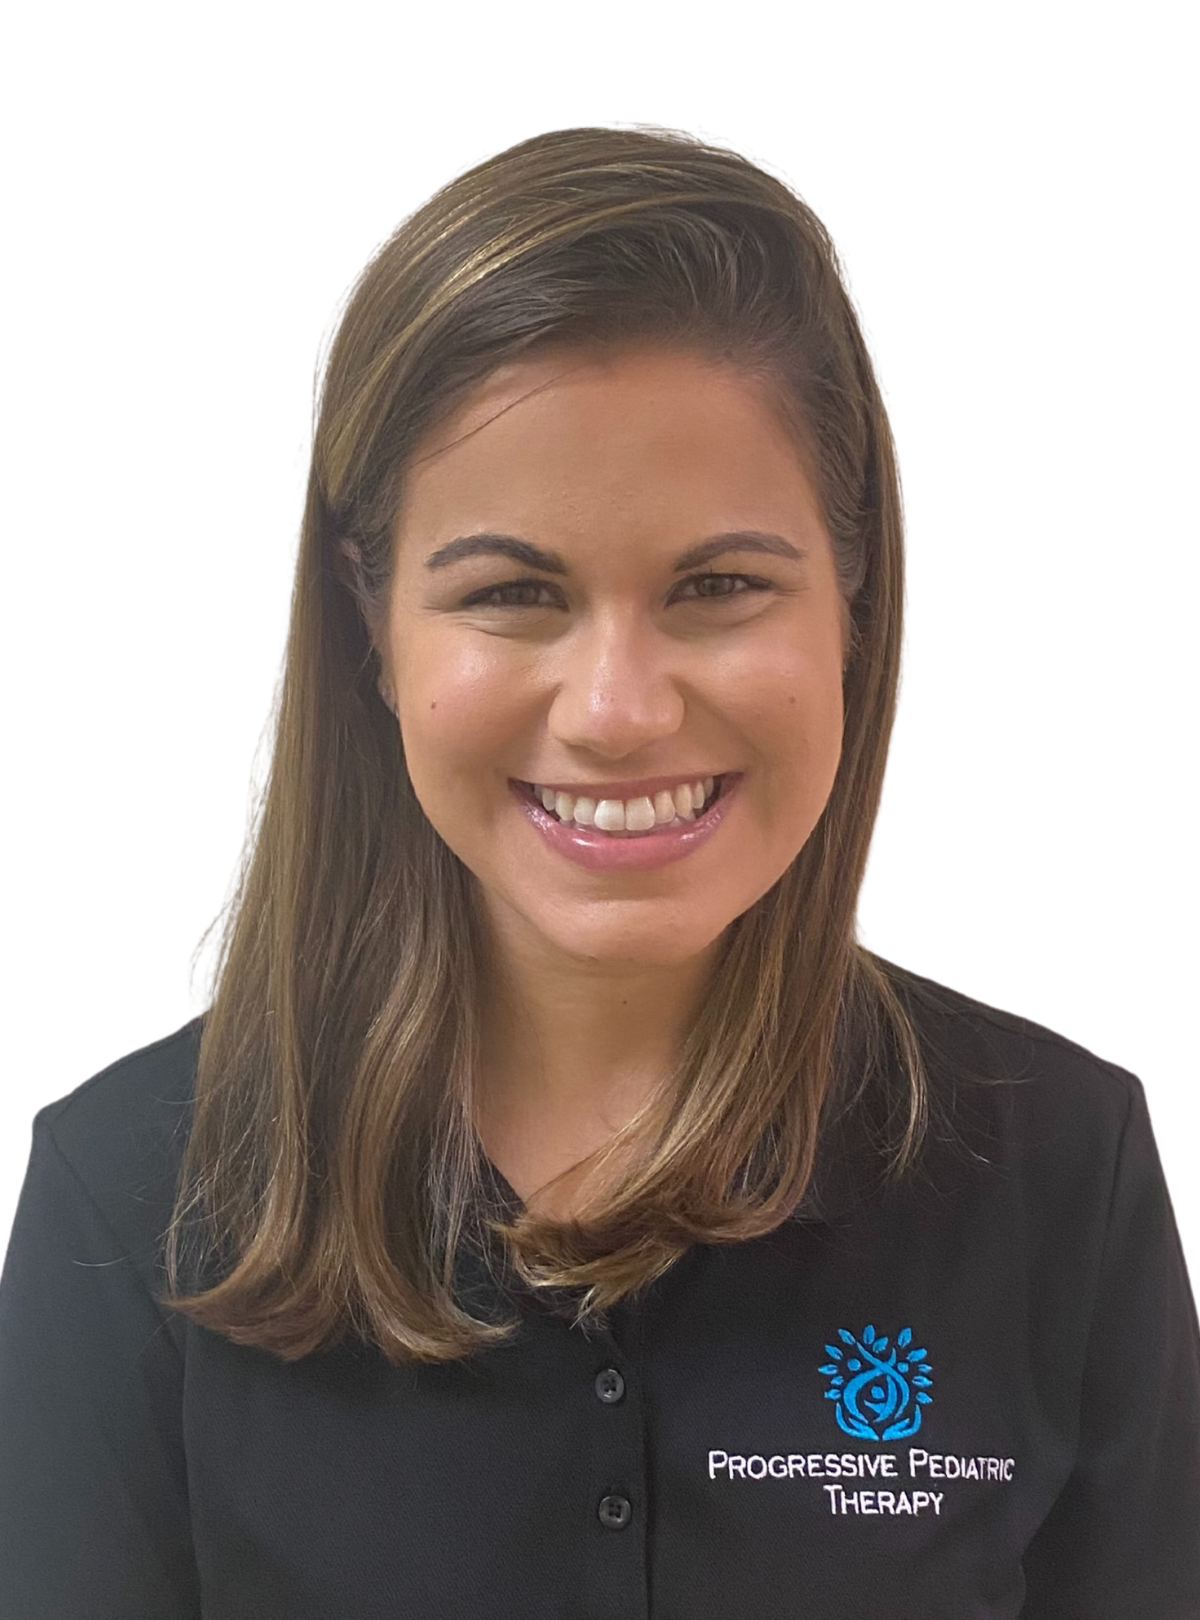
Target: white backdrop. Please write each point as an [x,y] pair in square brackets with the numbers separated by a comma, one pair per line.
[191,191]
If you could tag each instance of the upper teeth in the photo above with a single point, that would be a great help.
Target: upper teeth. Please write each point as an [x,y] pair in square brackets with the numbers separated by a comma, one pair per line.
[629,815]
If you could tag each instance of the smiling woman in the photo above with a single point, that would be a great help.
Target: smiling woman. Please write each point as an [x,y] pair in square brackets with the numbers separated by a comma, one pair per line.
[553,1160]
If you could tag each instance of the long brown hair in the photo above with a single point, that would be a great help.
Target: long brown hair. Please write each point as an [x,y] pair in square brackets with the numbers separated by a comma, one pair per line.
[332,1165]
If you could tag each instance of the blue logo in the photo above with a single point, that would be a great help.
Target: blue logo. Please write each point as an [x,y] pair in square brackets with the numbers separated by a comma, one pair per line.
[879,1392]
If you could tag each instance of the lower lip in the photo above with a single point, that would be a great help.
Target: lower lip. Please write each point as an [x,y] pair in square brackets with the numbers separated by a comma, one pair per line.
[601,853]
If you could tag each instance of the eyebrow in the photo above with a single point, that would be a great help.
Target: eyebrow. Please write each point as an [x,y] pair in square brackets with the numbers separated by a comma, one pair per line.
[550,562]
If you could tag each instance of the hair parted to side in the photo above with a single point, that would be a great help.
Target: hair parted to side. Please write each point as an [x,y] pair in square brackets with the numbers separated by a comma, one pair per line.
[332,1163]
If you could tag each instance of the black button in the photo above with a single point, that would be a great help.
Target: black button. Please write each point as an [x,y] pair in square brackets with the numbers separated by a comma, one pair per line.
[615,1512]
[610,1386]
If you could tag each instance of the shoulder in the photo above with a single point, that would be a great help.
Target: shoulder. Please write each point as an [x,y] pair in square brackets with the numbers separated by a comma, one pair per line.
[1012,1090]
[991,1044]
[120,1134]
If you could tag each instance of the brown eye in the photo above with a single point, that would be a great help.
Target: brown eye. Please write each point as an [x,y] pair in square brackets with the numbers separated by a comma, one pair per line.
[751,583]
[495,595]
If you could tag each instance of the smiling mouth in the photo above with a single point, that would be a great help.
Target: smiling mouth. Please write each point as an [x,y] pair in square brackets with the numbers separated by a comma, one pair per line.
[676,821]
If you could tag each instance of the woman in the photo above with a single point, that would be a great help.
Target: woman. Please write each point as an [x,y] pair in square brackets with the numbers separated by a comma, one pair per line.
[557,1212]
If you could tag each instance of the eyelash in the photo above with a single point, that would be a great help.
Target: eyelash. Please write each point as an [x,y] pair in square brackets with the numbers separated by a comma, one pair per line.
[481,598]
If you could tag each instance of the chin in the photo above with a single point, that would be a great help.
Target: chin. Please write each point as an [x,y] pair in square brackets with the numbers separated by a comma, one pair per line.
[658,943]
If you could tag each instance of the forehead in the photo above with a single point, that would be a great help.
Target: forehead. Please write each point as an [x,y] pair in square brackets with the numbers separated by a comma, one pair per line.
[578,432]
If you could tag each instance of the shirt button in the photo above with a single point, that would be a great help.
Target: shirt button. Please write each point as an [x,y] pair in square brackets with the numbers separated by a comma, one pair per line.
[610,1386]
[615,1512]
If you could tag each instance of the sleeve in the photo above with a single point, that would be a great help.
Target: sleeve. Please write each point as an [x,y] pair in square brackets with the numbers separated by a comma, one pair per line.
[1122,1539]
[93,1493]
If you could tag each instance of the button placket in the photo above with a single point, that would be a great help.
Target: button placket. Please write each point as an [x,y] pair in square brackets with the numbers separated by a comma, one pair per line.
[616,1586]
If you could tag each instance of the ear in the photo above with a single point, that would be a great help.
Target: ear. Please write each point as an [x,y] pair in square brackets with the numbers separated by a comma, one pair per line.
[347,565]
[347,562]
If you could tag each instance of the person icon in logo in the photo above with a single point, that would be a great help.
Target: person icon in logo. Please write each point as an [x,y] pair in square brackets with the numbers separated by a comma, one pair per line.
[879,1393]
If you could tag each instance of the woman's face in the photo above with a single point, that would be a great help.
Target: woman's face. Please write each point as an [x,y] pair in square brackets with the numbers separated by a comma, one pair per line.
[596,665]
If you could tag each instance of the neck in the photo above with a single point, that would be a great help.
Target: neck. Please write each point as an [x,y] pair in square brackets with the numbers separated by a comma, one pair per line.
[571,1050]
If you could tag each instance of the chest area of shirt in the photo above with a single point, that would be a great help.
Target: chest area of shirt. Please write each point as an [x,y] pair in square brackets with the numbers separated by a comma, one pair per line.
[860,1432]
[792,1428]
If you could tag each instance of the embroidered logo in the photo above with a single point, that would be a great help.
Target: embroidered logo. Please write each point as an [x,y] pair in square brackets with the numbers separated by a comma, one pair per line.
[879,1392]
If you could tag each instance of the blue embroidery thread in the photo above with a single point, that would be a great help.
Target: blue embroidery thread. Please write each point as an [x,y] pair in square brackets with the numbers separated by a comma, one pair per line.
[879,1393]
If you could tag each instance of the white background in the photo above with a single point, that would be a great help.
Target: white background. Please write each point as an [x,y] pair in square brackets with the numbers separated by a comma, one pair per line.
[191,192]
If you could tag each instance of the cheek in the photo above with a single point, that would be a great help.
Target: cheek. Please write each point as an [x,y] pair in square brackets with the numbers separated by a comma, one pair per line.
[453,711]
[807,730]
[792,691]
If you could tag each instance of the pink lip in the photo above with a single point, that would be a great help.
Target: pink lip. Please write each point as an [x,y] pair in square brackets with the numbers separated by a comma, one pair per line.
[601,853]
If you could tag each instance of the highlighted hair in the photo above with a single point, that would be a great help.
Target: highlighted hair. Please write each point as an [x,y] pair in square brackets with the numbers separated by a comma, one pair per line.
[332,1178]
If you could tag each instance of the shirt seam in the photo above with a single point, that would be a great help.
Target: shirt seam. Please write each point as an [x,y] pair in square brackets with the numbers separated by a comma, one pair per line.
[1101,1270]
[104,1222]
[1118,1167]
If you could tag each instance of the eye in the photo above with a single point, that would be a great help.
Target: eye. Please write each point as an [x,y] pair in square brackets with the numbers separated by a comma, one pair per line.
[491,597]
[748,580]
[500,595]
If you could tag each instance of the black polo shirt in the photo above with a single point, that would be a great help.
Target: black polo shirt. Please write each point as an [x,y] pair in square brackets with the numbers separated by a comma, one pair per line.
[973,1394]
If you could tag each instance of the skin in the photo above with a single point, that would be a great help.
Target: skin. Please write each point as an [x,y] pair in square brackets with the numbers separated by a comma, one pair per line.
[618,461]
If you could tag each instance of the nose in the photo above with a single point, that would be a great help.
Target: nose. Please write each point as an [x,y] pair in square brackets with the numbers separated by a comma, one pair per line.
[616,689]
